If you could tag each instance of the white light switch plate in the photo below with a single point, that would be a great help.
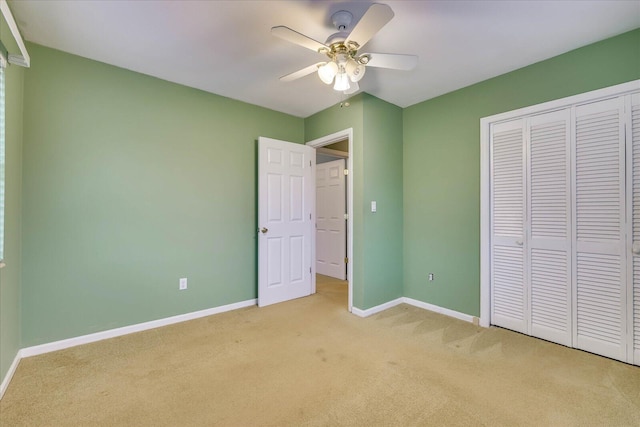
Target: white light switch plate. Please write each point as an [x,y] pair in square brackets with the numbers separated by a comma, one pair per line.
[374,206]
[183,283]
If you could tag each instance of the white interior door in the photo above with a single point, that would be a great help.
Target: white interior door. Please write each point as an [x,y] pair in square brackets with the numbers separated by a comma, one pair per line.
[286,203]
[599,229]
[549,241]
[331,225]
[509,305]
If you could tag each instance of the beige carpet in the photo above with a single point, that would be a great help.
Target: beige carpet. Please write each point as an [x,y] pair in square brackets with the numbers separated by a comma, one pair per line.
[310,362]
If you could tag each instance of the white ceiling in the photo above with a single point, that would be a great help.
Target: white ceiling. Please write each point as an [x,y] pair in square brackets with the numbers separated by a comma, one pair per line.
[226,47]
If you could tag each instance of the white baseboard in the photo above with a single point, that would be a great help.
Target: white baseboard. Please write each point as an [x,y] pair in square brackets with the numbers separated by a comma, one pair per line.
[10,372]
[438,309]
[377,309]
[112,333]
[415,303]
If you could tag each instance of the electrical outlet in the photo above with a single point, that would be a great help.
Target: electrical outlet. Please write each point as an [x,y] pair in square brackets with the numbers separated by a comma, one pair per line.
[431,277]
[183,284]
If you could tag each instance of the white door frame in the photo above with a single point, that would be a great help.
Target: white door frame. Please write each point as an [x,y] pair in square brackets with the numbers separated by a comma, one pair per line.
[320,142]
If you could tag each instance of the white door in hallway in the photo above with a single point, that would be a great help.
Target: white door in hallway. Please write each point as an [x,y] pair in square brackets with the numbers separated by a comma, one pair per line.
[331,225]
[286,204]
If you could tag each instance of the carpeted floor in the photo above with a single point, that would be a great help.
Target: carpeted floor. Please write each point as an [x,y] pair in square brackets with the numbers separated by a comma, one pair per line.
[309,362]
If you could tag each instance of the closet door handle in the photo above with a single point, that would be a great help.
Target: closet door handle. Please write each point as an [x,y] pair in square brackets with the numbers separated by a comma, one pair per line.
[519,242]
[635,248]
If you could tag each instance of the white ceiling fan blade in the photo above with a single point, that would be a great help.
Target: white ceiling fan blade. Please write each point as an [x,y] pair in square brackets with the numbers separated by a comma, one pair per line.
[295,37]
[393,61]
[371,22]
[301,73]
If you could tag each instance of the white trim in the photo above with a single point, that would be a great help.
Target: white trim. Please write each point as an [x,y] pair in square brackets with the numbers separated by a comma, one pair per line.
[12,370]
[485,214]
[24,60]
[341,135]
[420,304]
[321,142]
[378,308]
[438,309]
[112,333]
[485,225]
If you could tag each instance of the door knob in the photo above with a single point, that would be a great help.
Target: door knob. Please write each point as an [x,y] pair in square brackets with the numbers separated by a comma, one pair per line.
[635,248]
[519,242]
[264,230]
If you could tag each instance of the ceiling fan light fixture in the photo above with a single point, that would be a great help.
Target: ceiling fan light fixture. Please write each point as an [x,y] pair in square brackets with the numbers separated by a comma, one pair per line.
[342,82]
[353,89]
[345,66]
[354,70]
[327,72]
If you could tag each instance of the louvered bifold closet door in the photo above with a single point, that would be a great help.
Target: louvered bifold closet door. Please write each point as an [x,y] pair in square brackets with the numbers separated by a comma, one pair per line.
[634,198]
[508,297]
[599,211]
[549,242]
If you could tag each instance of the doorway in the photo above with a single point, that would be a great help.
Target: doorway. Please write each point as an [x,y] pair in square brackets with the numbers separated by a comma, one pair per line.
[338,138]
[331,208]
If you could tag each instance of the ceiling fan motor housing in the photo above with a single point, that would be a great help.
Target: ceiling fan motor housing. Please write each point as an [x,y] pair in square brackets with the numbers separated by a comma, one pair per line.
[337,38]
[341,20]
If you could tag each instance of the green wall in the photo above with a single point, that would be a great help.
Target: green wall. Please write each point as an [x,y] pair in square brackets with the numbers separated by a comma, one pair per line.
[10,329]
[442,163]
[377,175]
[130,183]
[382,148]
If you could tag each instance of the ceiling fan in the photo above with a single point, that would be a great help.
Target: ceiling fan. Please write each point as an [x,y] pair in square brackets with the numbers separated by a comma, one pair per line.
[346,66]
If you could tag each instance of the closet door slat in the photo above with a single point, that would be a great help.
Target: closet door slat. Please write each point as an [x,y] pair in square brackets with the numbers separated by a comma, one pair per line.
[508,301]
[549,242]
[599,270]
